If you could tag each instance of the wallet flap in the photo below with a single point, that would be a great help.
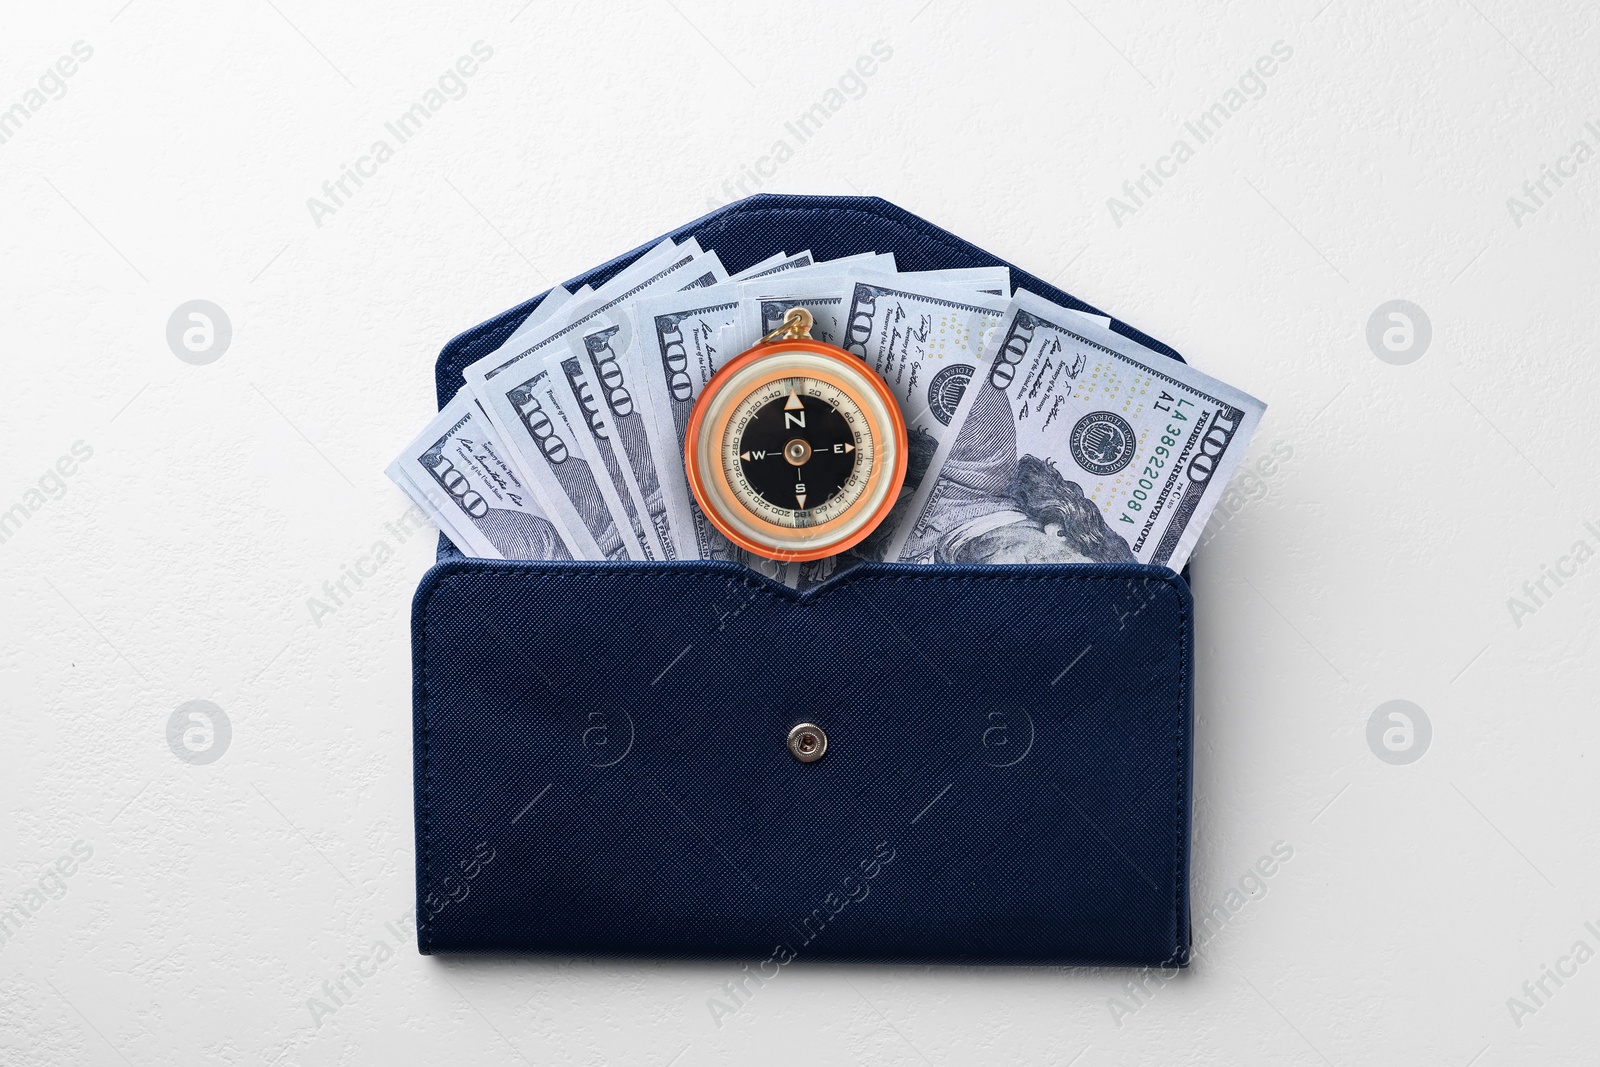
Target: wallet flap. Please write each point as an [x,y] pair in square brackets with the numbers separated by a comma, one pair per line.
[601,763]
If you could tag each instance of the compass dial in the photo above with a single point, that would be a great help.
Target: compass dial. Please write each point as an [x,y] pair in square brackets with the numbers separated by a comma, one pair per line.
[795,450]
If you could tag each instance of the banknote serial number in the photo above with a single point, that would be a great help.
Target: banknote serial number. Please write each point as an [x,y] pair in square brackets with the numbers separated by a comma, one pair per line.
[1147,477]
[1158,458]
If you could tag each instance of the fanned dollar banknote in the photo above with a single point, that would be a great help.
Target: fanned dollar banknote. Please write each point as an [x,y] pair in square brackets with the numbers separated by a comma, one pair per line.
[1037,433]
[679,346]
[458,470]
[603,382]
[926,339]
[524,386]
[763,301]
[1076,445]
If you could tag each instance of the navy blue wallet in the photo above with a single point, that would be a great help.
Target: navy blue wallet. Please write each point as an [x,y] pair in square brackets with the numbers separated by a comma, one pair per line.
[601,764]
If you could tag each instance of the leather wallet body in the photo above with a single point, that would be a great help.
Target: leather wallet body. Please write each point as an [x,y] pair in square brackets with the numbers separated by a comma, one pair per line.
[600,756]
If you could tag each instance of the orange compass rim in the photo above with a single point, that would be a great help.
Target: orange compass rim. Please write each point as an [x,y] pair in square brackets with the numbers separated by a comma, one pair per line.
[897,427]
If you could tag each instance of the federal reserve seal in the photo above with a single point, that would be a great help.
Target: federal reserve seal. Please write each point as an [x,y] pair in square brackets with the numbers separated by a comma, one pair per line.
[944,392]
[1102,442]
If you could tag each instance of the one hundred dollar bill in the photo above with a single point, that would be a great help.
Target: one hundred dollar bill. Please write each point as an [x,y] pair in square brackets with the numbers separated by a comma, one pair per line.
[458,470]
[995,281]
[820,289]
[433,508]
[823,297]
[603,386]
[773,265]
[558,296]
[576,396]
[1075,444]
[554,428]
[678,348]
[552,302]
[804,261]
[927,343]
[522,393]
[616,409]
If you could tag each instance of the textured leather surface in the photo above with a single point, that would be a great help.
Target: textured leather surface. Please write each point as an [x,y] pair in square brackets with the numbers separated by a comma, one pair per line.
[601,764]
[599,748]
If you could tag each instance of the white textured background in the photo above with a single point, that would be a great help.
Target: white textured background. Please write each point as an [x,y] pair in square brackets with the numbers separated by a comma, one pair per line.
[1375,561]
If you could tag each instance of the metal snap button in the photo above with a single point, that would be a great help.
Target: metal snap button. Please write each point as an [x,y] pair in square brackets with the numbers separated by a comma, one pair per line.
[807,742]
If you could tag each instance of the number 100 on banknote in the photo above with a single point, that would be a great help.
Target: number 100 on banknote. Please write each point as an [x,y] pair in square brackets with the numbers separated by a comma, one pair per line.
[1077,444]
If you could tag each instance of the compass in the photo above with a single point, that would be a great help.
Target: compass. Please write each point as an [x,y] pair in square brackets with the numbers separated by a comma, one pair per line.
[796,449]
